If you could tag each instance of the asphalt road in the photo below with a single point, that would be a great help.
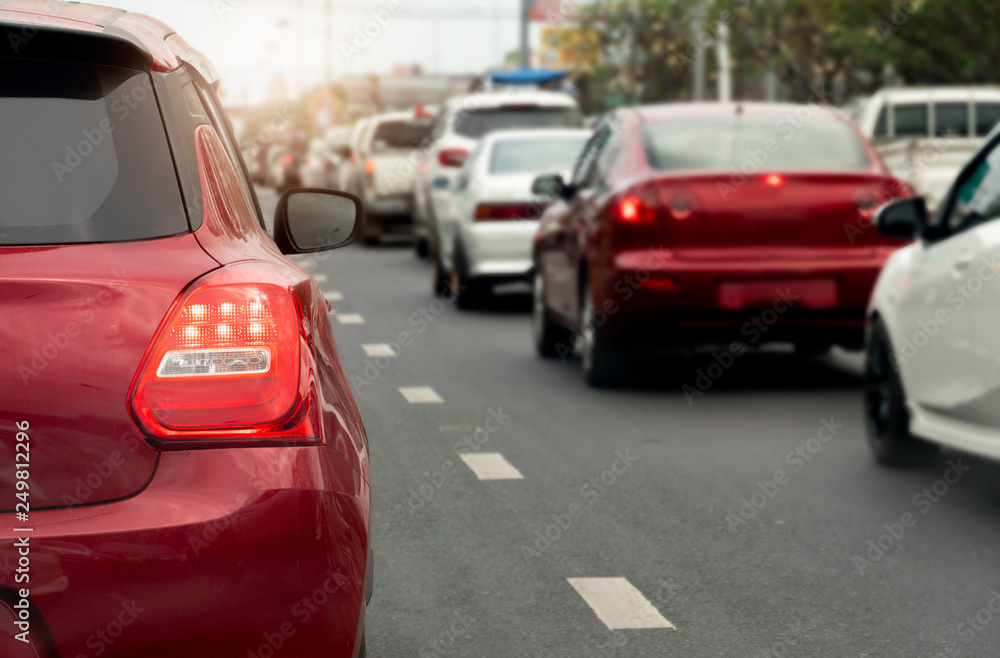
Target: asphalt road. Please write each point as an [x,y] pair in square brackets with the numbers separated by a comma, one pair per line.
[833,556]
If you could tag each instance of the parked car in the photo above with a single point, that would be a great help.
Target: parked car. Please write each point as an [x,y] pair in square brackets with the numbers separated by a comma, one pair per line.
[459,126]
[487,235]
[384,172]
[932,347]
[693,224]
[196,475]
[925,134]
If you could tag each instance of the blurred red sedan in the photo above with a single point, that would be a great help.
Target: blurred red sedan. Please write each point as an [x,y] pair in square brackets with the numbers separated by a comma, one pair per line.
[725,224]
[185,472]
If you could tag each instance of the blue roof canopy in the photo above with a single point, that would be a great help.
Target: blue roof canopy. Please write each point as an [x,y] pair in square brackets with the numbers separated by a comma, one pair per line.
[527,76]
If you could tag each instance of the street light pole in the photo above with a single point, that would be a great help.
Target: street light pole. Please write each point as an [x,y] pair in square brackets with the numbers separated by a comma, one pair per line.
[327,63]
[698,73]
[525,45]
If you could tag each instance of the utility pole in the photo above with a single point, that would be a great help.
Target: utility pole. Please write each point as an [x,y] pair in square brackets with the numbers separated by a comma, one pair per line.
[327,119]
[698,74]
[725,70]
[525,45]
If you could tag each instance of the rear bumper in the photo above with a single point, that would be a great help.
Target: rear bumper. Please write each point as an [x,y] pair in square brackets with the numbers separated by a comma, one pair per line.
[225,553]
[396,207]
[499,249]
[652,295]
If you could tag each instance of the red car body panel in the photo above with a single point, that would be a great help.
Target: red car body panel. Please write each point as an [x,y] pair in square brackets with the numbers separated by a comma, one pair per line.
[661,279]
[137,551]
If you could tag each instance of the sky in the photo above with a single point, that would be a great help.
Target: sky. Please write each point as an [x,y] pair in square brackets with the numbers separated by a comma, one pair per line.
[251,41]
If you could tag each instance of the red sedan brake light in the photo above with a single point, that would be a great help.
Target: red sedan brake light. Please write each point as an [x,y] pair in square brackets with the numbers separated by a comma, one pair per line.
[633,210]
[774,180]
[228,362]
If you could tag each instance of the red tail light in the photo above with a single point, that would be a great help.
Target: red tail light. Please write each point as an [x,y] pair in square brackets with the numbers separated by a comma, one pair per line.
[508,211]
[774,180]
[452,157]
[634,210]
[652,203]
[370,166]
[288,159]
[229,362]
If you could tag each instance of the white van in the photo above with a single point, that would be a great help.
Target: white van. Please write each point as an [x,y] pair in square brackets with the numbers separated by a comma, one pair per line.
[926,134]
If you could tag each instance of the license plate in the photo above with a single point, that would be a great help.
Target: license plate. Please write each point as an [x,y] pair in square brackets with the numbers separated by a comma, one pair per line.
[805,293]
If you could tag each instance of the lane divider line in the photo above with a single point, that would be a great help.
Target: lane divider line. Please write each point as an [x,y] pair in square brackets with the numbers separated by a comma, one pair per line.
[350,318]
[619,604]
[420,395]
[491,466]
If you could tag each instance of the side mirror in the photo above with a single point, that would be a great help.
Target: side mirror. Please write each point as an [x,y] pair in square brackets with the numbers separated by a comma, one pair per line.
[902,218]
[552,186]
[308,220]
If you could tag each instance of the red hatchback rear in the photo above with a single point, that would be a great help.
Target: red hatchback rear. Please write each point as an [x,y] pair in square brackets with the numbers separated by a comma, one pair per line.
[688,225]
[186,472]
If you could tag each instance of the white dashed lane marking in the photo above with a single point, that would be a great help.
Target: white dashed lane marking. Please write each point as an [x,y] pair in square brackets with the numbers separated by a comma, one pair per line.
[491,466]
[379,350]
[420,395]
[320,278]
[618,603]
[332,296]
[350,318]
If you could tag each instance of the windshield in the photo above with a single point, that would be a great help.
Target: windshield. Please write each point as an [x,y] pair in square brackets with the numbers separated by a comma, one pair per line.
[480,122]
[535,155]
[400,134]
[728,142]
[85,158]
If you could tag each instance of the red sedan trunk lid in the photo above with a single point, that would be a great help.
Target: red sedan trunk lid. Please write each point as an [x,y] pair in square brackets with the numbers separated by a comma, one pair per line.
[77,321]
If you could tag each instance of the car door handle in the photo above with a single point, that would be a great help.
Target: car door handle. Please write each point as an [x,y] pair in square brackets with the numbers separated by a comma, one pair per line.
[963,261]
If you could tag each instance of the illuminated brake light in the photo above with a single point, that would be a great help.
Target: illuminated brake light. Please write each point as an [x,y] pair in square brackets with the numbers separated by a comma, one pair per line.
[452,157]
[370,166]
[774,180]
[229,362]
[633,210]
[288,159]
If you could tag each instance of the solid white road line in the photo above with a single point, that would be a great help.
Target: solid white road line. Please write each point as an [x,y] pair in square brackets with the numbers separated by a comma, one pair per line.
[618,603]
[491,466]
[379,350]
[350,318]
[420,395]
[332,296]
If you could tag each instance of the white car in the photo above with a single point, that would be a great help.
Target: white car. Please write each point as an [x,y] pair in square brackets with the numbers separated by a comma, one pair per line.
[933,367]
[459,126]
[486,235]
[925,134]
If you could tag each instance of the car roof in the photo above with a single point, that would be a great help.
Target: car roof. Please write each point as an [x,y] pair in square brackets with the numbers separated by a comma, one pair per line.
[668,111]
[153,37]
[495,100]
[944,93]
[538,133]
[405,115]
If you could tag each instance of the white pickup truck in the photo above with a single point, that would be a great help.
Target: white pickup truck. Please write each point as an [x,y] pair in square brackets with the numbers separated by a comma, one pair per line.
[925,135]
[384,171]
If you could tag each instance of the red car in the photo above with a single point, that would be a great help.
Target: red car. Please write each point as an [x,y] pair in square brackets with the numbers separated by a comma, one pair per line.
[722,224]
[186,472]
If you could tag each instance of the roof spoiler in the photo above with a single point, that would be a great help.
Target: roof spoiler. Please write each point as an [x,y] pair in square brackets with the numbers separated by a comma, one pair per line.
[37,42]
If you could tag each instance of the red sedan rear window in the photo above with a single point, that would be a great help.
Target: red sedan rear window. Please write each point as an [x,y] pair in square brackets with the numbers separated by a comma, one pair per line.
[754,143]
[85,156]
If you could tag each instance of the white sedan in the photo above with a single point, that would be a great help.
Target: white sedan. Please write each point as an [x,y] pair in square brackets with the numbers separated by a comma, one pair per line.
[487,235]
[933,368]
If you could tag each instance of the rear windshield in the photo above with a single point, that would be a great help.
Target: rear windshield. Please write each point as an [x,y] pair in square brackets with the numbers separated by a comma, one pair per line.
[84,158]
[518,156]
[766,143]
[478,123]
[400,134]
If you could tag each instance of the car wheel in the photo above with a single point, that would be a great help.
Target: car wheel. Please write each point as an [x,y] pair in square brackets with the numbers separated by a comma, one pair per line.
[887,421]
[551,339]
[440,280]
[372,234]
[605,362]
[420,247]
[469,291]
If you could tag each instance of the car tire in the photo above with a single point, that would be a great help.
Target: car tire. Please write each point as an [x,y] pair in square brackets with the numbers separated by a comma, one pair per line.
[440,281]
[887,420]
[420,247]
[469,292]
[551,340]
[371,235]
[606,363]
